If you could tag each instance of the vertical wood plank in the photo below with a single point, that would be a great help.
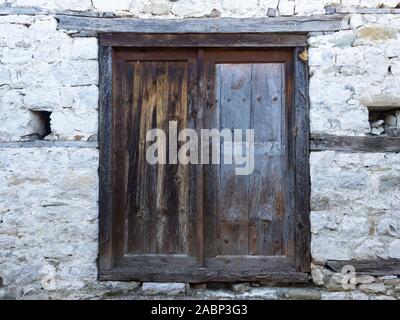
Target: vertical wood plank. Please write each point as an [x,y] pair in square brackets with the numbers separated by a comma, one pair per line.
[267,187]
[212,171]
[172,179]
[120,112]
[142,207]
[201,102]
[235,84]
[105,149]
[302,178]
[193,110]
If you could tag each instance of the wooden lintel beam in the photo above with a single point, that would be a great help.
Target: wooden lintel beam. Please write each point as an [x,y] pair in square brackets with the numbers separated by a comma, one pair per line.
[91,26]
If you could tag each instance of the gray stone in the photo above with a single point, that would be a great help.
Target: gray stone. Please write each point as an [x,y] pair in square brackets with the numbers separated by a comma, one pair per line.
[159,288]
[271,12]
[330,9]
[335,295]
[259,294]
[364,279]
[240,287]
[373,288]
[394,249]
[389,183]
[317,274]
[303,294]
[157,9]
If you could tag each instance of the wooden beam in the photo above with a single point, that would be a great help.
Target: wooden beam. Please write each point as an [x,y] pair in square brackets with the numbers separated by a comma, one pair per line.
[368,10]
[376,267]
[106,259]
[302,164]
[91,26]
[202,40]
[355,144]
[202,275]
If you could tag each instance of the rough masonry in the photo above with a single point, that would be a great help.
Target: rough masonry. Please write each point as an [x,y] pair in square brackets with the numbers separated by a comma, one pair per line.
[49,190]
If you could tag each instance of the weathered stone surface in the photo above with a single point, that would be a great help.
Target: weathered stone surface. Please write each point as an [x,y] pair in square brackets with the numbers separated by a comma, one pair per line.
[240,287]
[335,296]
[159,288]
[48,197]
[394,249]
[259,294]
[373,288]
[48,211]
[317,274]
[303,294]
[364,279]
[363,232]
[52,72]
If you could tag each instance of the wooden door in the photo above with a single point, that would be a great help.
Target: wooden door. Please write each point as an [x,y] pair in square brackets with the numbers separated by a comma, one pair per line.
[193,222]
[248,216]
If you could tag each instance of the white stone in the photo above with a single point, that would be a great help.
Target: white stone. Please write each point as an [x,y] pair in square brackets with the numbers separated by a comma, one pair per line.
[326,247]
[334,295]
[5,76]
[394,249]
[369,249]
[377,124]
[157,8]
[388,227]
[390,120]
[286,7]
[356,20]
[354,226]
[307,7]
[373,288]
[364,279]
[159,288]
[85,49]
[112,6]
[377,131]
[317,274]
[196,8]
[259,293]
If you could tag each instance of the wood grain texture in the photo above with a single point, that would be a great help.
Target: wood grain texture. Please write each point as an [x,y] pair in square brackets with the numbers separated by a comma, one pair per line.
[105,150]
[234,81]
[203,223]
[202,275]
[202,40]
[267,185]
[376,267]
[87,26]
[354,144]
[302,172]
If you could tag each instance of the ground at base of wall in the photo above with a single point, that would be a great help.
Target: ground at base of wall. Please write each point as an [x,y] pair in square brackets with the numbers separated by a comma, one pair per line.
[367,288]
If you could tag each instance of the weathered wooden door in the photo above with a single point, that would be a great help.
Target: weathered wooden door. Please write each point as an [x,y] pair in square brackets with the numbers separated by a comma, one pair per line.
[203,222]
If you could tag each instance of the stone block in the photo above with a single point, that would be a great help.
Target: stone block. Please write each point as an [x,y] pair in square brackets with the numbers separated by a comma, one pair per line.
[159,288]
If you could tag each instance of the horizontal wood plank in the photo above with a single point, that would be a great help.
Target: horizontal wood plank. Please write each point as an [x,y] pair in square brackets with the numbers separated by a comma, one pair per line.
[202,40]
[203,275]
[355,144]
[377,267]
[89,26]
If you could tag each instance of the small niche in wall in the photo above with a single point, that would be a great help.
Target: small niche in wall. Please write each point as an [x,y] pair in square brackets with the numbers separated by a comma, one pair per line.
[39,126]
[385,122]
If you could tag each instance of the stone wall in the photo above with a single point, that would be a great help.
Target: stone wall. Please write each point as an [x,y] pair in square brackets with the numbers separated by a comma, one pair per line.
[49,190]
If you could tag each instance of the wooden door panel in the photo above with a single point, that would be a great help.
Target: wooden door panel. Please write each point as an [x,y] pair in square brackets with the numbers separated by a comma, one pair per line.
[249,217]
[152,200]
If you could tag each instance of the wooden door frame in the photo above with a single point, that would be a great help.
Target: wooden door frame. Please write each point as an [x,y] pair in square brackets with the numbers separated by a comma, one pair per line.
[108,270]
